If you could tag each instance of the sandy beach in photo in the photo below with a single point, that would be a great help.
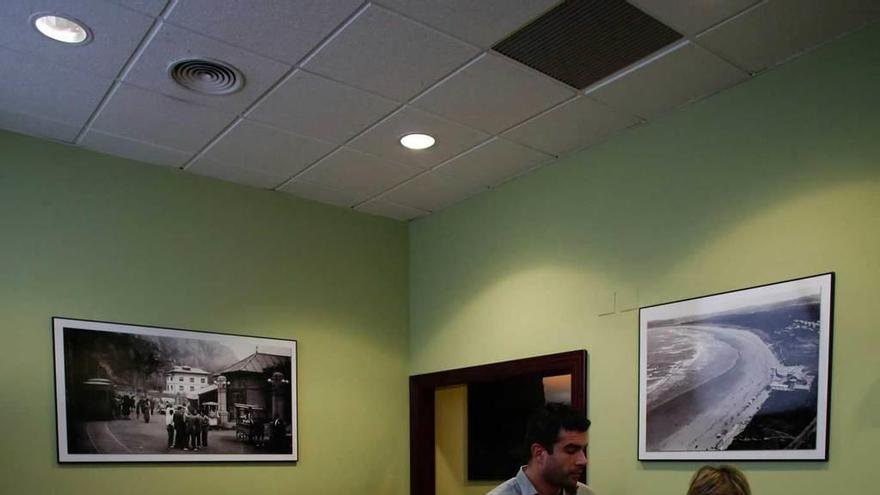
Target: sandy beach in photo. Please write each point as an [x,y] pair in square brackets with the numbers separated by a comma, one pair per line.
[705,400]
[681,359]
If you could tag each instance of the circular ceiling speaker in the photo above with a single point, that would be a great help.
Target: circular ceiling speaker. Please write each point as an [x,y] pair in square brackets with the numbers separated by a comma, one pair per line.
[208,77]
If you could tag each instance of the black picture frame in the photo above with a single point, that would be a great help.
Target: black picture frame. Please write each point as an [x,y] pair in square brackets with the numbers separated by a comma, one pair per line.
[227,397]
[742,375]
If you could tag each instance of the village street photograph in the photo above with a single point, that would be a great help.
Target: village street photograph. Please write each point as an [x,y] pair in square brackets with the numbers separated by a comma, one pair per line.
[128,393]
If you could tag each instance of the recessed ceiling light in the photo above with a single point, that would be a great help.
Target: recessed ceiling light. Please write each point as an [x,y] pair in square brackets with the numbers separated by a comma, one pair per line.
[417,141]
[63,29]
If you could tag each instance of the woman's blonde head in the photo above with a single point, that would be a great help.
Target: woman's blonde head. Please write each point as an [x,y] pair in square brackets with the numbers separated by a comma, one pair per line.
[721,480]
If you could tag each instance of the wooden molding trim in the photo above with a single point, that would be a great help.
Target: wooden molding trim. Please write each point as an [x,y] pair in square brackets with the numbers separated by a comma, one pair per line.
[421,402]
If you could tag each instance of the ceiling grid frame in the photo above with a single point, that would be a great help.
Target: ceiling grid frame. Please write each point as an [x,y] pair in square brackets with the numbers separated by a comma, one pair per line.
[689,38]
[151,33]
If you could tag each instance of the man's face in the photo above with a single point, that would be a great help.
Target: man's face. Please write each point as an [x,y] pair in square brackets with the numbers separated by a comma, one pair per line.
[564,466]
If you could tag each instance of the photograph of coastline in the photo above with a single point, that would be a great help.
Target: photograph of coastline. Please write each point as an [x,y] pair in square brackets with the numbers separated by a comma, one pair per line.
[131,393]
[741,375]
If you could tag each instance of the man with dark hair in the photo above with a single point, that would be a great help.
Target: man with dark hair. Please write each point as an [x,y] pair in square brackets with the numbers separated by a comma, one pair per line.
[169,424]
[556,439]
[193,425]
[203,430]
[146,409]
[180,436]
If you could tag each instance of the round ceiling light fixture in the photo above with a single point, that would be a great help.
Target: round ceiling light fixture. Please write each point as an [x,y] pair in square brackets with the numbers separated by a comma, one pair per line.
[417,141]
[208,77]
[62,28]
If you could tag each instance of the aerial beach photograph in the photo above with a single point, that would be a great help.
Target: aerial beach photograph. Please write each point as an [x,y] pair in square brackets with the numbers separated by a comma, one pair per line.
[737,374]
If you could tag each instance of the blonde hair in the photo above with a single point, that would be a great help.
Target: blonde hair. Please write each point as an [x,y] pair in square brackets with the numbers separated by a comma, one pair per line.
[723,480]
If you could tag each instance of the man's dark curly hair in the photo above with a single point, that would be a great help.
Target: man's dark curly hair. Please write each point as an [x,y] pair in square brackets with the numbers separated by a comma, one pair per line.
[544,425]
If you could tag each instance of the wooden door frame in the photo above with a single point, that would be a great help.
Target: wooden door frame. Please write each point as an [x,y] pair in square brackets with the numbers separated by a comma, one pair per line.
[421,402]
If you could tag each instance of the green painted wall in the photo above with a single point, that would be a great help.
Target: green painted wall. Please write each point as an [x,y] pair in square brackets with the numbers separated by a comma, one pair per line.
[92,236]
[774,179]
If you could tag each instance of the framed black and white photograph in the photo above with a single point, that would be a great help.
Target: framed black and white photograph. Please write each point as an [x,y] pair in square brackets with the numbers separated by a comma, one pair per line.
[741,375]
[132,393]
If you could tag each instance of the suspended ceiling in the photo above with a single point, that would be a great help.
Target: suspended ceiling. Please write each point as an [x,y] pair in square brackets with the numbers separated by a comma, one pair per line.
[331,86]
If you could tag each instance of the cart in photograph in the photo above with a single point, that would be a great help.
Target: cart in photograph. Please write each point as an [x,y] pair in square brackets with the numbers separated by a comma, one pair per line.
[210,409]
[249,423]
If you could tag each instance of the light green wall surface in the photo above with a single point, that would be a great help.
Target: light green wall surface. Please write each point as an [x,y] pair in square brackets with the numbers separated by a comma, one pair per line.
[775,179]
[91,236]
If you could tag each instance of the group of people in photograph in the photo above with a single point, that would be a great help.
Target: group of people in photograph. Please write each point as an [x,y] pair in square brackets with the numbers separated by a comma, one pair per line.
[125,404]
[187,428]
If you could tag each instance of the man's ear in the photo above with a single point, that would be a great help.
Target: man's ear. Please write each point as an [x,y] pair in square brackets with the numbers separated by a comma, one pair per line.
[536,449]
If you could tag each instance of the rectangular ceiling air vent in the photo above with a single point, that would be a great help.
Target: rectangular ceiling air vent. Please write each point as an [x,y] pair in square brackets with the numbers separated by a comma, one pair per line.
[580,42]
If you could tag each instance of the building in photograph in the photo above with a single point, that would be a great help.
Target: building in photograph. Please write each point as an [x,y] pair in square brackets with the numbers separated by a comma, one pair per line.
[260,380]
[186,380]
[791,378]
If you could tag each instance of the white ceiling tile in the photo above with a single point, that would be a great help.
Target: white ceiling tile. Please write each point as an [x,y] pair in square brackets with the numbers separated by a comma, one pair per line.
[351,170]
[36,126]
[130,148]
[390,55]
[33,86]
[272,152]
[492,163]
[692,16]
[233,173]
[322,194]
[394,48]
[682,75]
[117,32]
[172,44]
[391,210]
[777,30]
[482,23]
[384,139]
[571,126]
[150,7]
[320,108]
[284,30]
[159,119]
[493,94]
[432,192]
